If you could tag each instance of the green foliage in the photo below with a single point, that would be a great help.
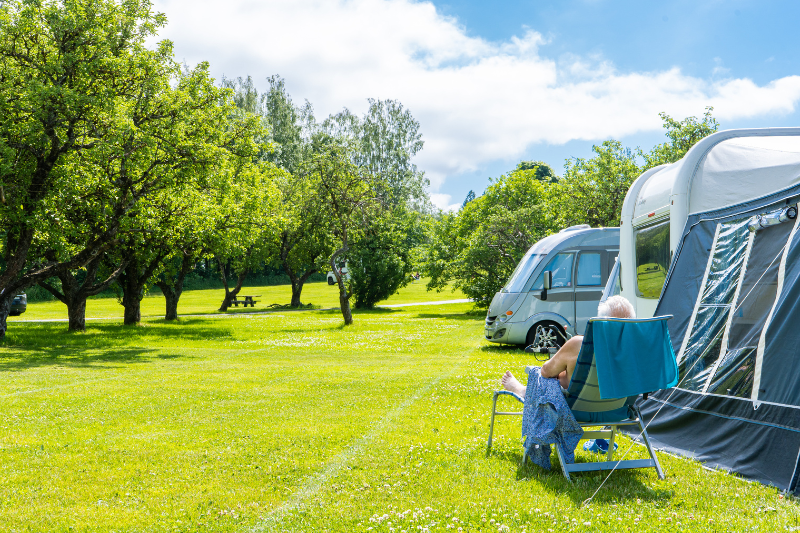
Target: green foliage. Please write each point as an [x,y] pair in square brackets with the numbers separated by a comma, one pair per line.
[380,262]
[682,136]
[544,172]
[383,142]
[478,248]
[592,190]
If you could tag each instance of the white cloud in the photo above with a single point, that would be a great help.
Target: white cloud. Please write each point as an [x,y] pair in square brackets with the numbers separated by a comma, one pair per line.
[477,101]
[442,201]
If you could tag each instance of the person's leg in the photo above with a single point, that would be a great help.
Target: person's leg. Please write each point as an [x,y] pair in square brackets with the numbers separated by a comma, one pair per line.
[512,384]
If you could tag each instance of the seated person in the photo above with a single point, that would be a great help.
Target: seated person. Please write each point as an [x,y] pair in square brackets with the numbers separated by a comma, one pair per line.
[562,364]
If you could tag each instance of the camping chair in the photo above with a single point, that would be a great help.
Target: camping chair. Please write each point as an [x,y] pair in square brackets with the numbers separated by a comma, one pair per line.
[620,359]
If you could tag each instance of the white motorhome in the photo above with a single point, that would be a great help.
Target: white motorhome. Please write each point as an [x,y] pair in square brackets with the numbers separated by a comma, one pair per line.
[724,169]
[579,260]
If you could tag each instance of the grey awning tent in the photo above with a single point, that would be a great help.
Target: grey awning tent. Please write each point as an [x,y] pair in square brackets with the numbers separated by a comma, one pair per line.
[734,290]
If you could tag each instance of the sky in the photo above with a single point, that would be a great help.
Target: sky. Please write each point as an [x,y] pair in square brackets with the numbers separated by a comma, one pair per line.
[496,83]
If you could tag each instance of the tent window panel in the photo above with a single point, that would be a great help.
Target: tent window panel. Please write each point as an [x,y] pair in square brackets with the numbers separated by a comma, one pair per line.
[703,348]
[652,259]
[734,376]
[726,265]
[759,287]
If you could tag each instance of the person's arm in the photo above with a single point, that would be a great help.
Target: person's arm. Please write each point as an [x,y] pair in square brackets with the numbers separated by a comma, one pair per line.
[562,360]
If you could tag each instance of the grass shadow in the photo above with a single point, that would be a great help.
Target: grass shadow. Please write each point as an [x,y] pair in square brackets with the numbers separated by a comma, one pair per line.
[51,344]
[621,486]
[27,358]
[450,316]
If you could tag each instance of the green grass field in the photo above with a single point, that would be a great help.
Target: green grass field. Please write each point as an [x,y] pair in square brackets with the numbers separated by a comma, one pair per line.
[291,422]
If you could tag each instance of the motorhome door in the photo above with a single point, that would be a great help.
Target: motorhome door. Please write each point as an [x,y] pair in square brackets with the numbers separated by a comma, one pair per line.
[561,296]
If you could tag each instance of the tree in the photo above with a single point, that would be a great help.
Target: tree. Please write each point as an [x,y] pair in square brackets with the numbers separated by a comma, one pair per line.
[304,243]
[470,196]
[544,172]
[76,287]
[251,215]
[380,260]
[682,136]
[592,190]
[285,126]
[70,72]
[478,248]
[349,199]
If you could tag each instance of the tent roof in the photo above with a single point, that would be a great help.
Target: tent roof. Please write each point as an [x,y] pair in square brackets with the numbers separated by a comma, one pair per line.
[726,168]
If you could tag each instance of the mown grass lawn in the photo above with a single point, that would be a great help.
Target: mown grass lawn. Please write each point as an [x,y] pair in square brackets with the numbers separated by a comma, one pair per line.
[291,422]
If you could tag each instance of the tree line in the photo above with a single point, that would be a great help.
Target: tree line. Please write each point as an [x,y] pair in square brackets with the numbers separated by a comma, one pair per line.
[118,165]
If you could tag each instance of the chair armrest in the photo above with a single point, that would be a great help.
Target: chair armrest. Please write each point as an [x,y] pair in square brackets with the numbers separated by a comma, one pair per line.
[509,393]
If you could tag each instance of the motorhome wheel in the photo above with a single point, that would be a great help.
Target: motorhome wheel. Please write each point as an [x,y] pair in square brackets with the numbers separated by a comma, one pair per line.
[546,335]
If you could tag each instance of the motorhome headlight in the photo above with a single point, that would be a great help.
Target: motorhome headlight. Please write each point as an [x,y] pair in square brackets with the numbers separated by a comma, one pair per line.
[773,218]
[506,316]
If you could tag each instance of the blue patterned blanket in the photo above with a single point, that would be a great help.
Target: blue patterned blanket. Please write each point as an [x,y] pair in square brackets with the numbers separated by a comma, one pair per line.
[547,419]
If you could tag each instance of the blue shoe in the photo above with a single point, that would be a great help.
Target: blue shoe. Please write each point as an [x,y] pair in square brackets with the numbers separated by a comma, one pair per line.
[598,446]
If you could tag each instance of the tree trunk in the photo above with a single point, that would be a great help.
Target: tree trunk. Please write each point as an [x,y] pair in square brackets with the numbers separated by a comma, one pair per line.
[133,311]
[74,293]
[230,294]
[344,297]
[5,307]
[172,298]
[76,311]
[172,293]
[297,286]
[132,289]
[297,289]
[344,302]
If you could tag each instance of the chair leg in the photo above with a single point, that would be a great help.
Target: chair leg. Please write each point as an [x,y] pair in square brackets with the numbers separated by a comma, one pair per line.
[649,446]
[562,461]
[611,443]
[491,425]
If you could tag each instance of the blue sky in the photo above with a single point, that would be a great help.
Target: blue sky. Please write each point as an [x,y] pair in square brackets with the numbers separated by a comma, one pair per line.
[712,40]
[495,83]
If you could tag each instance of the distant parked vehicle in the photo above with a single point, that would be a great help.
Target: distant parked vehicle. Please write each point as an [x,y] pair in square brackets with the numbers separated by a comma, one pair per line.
[342,272]
[19,305]
[575,264]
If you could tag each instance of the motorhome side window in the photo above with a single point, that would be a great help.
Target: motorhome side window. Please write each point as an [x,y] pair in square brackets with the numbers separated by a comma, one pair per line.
[561,267]
[652,259]
[589,270]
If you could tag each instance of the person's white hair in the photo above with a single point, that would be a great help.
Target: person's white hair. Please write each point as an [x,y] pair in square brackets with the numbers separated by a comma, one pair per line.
[617,307]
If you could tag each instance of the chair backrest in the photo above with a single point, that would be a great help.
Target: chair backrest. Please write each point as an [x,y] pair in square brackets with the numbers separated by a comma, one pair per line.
[620,359]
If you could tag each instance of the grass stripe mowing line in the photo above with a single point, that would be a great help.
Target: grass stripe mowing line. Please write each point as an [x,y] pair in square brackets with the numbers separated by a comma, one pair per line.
[338,462]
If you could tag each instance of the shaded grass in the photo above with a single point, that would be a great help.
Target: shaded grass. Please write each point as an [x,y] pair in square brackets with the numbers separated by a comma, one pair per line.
[290,422]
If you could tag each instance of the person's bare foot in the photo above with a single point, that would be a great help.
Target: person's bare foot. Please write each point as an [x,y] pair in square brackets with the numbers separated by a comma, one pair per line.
[510,383]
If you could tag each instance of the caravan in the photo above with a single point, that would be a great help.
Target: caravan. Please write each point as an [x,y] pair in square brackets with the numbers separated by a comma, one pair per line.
[713,240]
[579,260]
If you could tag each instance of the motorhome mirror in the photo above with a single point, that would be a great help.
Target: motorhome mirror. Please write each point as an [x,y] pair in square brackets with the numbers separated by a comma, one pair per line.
[547,280]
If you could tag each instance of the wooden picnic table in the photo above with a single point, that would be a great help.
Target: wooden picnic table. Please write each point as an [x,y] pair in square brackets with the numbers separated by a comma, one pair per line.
[246,300]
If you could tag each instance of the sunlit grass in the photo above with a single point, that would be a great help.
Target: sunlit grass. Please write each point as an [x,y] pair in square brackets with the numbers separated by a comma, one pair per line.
[203,302]
[292,422]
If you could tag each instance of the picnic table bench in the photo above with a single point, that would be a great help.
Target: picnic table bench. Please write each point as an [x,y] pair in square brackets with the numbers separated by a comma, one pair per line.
[245,300]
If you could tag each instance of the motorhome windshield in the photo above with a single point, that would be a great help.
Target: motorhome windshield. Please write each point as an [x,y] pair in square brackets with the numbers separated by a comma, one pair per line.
[526,266]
